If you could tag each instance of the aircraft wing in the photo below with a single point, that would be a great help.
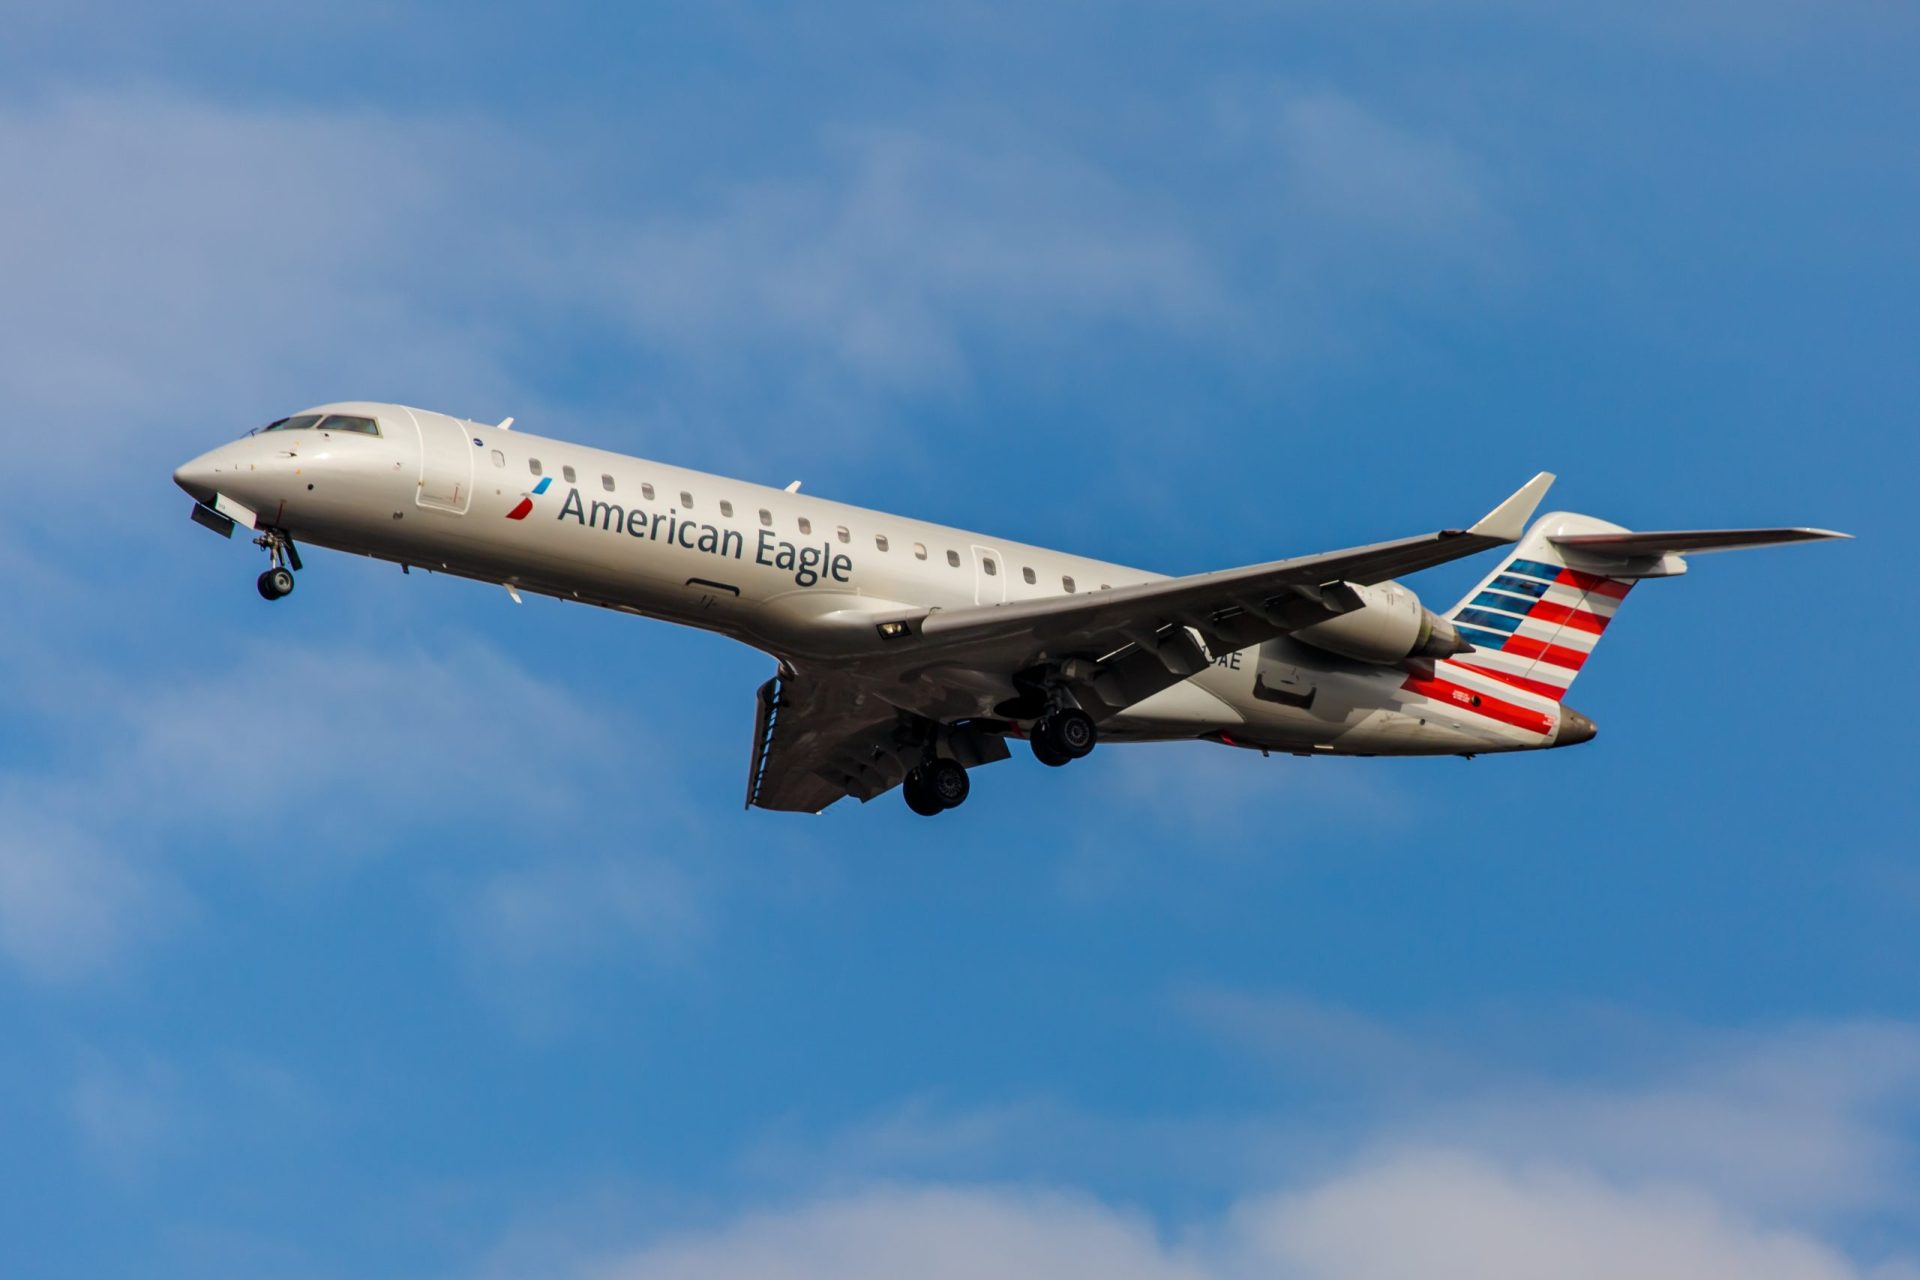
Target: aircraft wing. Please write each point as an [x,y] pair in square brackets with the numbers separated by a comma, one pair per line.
[1136,640]
[817,739]
[855,729]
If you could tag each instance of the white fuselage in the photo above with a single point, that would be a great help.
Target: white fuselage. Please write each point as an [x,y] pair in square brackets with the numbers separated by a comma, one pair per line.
[797,576]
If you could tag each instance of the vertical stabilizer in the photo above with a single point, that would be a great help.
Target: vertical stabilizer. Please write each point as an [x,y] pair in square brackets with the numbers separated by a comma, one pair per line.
[1535,620]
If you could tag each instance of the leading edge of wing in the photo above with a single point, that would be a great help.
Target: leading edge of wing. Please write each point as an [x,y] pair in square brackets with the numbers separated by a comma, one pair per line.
[1088,614]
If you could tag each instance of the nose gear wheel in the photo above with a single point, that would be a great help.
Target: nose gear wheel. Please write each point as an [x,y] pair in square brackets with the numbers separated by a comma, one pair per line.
[277,582]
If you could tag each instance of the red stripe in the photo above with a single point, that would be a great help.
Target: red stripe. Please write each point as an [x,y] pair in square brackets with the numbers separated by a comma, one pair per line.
[1540,687]
[520,512]
[1479,703]
[1528,647]
[1578,619]
[1594,583]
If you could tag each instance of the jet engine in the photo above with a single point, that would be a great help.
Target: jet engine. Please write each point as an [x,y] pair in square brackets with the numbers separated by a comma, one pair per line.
[1384,623]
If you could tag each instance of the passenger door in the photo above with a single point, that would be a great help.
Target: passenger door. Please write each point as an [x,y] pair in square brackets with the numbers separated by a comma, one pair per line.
[446,462]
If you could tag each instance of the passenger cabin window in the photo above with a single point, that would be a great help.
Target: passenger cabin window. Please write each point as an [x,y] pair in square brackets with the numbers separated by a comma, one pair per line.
[646,491]
[953,558]
[726,508]
[806,525]
[300,423]
[686,499]
[499,458]
[566,473]
[841,532]
[988,567]
[346,422]
[606,482]
[1028,575]
[533,465]
[919,551]
[766,518]
[880,541]
[1066,580]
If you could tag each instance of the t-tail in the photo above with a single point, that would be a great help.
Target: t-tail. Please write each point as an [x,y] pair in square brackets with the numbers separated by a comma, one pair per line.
[1535,621]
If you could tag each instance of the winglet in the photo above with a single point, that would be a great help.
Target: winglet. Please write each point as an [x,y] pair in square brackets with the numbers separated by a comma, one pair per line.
[1506,522]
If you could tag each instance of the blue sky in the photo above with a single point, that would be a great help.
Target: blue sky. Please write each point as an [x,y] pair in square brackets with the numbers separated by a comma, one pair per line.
[398,931]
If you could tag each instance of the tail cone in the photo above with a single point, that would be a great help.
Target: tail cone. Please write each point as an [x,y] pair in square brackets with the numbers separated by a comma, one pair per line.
[1574,729]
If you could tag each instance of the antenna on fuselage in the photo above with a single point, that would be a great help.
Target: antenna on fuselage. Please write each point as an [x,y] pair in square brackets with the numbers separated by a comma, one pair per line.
[792,488]
[506,424]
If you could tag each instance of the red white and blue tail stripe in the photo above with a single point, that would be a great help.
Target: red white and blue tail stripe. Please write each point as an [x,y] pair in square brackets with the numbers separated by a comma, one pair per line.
[1534,622]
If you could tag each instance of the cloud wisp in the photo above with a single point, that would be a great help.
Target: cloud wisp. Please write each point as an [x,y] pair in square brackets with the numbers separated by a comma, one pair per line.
[290,758]
[1518,1183]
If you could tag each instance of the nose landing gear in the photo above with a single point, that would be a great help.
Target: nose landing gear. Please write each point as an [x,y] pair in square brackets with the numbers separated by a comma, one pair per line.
[277,581]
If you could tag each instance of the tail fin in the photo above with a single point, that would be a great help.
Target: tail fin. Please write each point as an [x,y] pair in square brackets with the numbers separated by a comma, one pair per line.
[1535,620]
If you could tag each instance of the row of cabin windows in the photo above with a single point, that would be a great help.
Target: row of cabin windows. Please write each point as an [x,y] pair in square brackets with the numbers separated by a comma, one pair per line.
[805,525]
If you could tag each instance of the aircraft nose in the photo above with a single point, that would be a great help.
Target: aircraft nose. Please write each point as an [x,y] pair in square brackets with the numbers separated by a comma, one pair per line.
[197,477]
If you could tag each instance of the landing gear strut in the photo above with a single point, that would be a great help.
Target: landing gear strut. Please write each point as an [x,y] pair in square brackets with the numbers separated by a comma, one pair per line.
[278,580]
[936,786]
[1063,735]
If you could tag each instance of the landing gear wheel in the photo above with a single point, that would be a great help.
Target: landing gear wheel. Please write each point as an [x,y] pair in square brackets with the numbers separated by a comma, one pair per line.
[275,583]
[947,782]
[1073,730]
[919,796]
[1063,735]
[1046,745]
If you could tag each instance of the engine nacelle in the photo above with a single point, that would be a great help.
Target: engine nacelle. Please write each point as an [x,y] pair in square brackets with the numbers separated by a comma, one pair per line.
[1386,623]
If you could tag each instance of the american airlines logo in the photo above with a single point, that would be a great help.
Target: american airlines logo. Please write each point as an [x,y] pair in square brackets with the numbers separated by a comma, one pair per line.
[525,508]
[807,564]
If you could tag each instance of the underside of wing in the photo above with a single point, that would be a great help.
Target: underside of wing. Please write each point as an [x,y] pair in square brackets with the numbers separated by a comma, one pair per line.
[819,739]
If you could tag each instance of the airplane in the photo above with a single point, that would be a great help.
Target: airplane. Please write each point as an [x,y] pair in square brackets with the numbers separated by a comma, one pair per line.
[908,654]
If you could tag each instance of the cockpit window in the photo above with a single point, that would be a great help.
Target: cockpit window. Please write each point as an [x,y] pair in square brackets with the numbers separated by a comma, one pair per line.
[300,423]
[346,422]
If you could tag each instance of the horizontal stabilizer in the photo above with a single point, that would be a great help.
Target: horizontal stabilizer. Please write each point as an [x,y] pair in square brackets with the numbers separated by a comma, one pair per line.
[1684,541]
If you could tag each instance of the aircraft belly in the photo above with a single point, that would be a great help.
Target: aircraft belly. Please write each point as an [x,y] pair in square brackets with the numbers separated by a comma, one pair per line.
[1183,710]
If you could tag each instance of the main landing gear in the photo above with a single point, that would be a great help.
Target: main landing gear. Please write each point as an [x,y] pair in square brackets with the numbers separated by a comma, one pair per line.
[936,786]
[1063,735]
[277,581]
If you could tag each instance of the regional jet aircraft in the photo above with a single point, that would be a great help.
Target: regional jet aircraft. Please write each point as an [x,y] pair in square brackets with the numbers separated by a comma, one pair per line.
[911,653]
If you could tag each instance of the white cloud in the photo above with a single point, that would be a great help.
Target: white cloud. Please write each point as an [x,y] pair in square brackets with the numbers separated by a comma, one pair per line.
[167,257]
[70,903]
[1801,1120]
[1350,166]
[1753,1154]
[1804,1122]
[1440,1213]
[1447,1214]
[560,910]
[180,269]
[932,1234]
[292,760]
[882,259]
